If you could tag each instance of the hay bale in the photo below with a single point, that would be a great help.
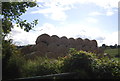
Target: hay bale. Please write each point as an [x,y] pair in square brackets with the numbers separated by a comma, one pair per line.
[87,42]
[94,43]
[35,54]
[52,47]
[79,47]
[26,49]
[45,38]
[71,42]
[78,43]
[63,41]
[54,38]
[40,47]
[62,50]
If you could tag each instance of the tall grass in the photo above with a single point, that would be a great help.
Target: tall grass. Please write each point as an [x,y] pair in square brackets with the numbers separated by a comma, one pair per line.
[88,65]
[40,66]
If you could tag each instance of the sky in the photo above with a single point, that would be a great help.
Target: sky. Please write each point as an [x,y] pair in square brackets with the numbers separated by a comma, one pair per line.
[92,19]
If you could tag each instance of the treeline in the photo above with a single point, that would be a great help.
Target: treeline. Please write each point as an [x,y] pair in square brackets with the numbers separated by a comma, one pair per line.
[110,46]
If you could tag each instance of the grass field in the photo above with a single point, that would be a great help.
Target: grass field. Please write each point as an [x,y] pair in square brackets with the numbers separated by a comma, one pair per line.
[113,52]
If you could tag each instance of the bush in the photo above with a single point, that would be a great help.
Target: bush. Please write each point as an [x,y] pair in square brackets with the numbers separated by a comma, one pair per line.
[40,66]
[107,68]
[79,61]
[14,67]
[12,60]
[89,66]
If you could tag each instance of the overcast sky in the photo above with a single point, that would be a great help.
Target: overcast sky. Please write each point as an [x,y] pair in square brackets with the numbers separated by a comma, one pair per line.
[92,19]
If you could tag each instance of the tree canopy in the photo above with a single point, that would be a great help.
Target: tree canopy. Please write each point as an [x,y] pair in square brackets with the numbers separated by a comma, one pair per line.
[11,12]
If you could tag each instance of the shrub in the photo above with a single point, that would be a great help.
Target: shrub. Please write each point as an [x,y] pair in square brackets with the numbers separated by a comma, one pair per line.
[106,68]
[89,66]
[12,60]
[79,61]
[40,66]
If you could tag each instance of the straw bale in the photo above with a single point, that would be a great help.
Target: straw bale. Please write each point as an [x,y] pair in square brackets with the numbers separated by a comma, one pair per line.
[62,50]
[63,41]
[87,42]
[43,38]
[78,43]
[52,47]
[94,43]
[78,47]
[40,47]
[26,49]
[71,43]
[35,54]
[54,38]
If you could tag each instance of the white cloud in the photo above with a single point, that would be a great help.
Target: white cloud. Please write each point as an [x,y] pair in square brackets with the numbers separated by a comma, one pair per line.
[92,20]
[95,13]
[55,9]
[109,13]
[111,38]
[102,3]
[21,37]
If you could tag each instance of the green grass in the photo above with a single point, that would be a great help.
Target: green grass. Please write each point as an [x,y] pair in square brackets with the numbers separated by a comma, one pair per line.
[112,52]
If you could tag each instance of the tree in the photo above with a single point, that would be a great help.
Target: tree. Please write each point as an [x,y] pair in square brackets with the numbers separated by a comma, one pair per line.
[115,45]
[103,46]
[11,12]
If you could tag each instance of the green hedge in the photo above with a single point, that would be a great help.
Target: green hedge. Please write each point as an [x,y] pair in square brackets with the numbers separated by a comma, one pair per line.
[89,66]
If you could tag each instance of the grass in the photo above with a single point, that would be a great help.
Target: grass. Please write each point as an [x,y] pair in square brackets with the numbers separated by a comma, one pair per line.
[112,52]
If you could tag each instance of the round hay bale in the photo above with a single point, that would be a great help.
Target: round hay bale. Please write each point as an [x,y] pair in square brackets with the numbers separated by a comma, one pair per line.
[52,47]
[71,42]
[40,47]
[79,47]
[45,38]
[63,41]
[87,42]
[51,55]
[62,50]
[78,43]
[54,38]
[35,54]
[79,40]
[26,50]
[94,43]
[93,48]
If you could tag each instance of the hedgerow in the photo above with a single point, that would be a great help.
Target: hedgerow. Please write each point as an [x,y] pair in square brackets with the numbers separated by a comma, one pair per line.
[89,66]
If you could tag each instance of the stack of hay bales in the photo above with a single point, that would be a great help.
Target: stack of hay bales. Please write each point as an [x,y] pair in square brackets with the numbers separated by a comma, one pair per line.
[53,46]
[79,43]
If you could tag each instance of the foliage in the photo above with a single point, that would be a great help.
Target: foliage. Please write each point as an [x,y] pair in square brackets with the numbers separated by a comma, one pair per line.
[89,66]
[11,61]
[12,11]
[106,68]
[40,66]
[78,61]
